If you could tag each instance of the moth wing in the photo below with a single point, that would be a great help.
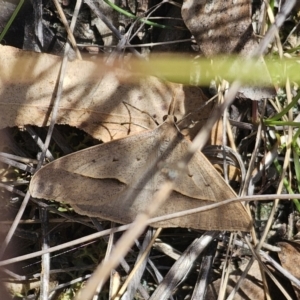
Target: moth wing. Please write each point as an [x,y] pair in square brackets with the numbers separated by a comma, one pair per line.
[97,181]
[199,185]
[229,217]
[200,180]
[119,159]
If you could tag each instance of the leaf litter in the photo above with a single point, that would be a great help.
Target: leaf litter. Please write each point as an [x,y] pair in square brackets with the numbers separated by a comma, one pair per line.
[108,137]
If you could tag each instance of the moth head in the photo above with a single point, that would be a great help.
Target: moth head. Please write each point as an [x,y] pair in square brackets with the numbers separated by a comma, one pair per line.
[165,117]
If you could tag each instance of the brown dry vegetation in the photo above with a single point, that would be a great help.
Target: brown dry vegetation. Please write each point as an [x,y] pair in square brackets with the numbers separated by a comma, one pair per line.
[104,99]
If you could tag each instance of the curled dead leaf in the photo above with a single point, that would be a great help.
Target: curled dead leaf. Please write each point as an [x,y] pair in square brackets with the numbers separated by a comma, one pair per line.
[106,103]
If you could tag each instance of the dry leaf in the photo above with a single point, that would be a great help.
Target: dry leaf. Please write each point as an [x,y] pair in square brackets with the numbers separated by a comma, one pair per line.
[220,27]
[289,257]
[93,99]
[118,179]
[251,287]
[225,27]
[290,260]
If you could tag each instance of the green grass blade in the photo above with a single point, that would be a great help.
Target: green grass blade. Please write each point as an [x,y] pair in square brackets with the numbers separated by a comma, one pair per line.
[15,13]
[132,16]
[287,185]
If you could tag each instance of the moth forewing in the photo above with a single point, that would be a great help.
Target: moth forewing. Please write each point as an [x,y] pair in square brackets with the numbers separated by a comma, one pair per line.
[117,180]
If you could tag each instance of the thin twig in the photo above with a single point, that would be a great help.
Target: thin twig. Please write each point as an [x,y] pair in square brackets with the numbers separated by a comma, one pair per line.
[106,21]
[45,273]
[59,88]
[140,264]
[182,266]
[152,220]
[48,138]
[284,168]
[68,29]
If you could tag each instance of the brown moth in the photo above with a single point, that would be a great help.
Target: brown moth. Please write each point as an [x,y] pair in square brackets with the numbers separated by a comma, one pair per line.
[225,27]
[117,180]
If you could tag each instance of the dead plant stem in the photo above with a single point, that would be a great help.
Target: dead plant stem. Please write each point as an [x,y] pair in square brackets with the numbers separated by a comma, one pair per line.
[152,220]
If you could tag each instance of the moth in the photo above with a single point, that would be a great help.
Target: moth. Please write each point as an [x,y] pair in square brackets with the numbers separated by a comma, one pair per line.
[117,180]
